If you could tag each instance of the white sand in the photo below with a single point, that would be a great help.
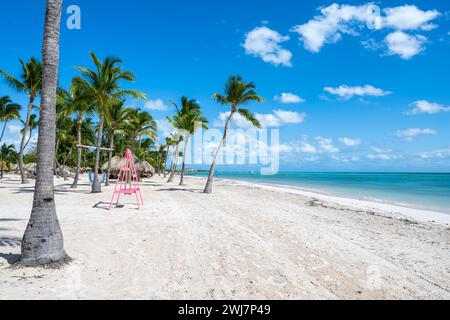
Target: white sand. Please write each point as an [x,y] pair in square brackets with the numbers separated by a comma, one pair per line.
[242,242]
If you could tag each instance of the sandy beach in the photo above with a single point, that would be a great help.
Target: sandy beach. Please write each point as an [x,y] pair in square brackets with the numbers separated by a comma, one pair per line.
[245,241]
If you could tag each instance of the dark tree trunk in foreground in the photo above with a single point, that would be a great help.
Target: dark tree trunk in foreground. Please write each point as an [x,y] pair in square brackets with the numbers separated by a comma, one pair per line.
[108,173]
[209,182]
[96,184]
[43,240]
[22,142]
[183,168]
[77,170]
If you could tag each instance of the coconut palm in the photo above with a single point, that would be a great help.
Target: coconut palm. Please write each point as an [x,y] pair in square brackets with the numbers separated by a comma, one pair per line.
[101,87]
[6,153]
[115,119]
[140,124]
[33,124]
[8,111]
[43,240]
[187,120]
[169,144]
[73,102]
[30,83]
[237,93]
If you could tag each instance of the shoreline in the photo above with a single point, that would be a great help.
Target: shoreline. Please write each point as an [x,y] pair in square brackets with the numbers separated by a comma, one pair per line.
[395,209]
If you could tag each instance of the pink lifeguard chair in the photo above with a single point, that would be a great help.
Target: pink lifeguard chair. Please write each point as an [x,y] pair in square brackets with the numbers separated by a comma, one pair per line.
[128,181]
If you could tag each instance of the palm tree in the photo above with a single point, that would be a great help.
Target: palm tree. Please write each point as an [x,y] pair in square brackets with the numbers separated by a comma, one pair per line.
[33,124]
[74,102]
[169,143]
[43,240]
[115,119]
[141,124]
[187,120]
[5,154]
[8,111]
[237,93]
[30,83]
[101,87]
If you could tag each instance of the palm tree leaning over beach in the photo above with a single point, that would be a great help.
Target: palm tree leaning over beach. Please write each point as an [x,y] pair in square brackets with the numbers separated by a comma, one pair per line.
[188,120]
[8,111]
[115,119]
[43,240]
[73,102]
[30,83]
[237,93]
[32,124]
[101,87]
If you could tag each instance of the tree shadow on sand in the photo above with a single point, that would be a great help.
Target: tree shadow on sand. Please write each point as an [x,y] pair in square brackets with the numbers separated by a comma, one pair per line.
[10,242]
[10,258]
[179,190]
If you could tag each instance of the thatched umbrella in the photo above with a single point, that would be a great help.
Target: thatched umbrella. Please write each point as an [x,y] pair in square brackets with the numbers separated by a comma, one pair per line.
[115,167]
[145,169]
[31,170]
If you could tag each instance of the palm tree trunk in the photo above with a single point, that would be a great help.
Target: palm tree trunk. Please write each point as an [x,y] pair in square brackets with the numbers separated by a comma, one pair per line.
[209,182]
[111,146]
[96,185]
[55,163]
[29,139]
[22,142]
[64,172]
[79,149]
[3,131]
[167,160]
[43,240]
[183,168]
[174,164]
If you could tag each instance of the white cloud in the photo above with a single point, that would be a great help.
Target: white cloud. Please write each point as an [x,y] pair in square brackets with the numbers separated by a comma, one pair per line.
[381,156]
[289,117]
[437,154]
[409,134]
[404,45]
[409,17]
[349,142]
[328,27]
[337,20]
[165,128]
[265,43]
[347,92]
[157,105]
[14,128]
[289,98]
[423,106]
[380,150]
[326,145]
[276,119]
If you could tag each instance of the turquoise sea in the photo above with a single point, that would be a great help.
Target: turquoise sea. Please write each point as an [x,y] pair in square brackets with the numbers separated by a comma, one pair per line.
[417,190]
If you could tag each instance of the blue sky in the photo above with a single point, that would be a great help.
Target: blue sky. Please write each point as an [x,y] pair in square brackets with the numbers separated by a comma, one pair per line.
[365,96]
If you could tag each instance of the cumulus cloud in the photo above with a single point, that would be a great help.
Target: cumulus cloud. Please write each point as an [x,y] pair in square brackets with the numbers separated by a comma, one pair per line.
[277,118]
[329,26]
[265,43]
[157,105]
[409,17]
[423,106]
[337,20]
[326,145]
[347,92]
[289,98]
[409,134]
[436,154]
[349,142]
[404,45]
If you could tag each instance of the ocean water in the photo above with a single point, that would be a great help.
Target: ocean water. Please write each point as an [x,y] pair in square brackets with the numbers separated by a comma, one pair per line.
[416,190]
